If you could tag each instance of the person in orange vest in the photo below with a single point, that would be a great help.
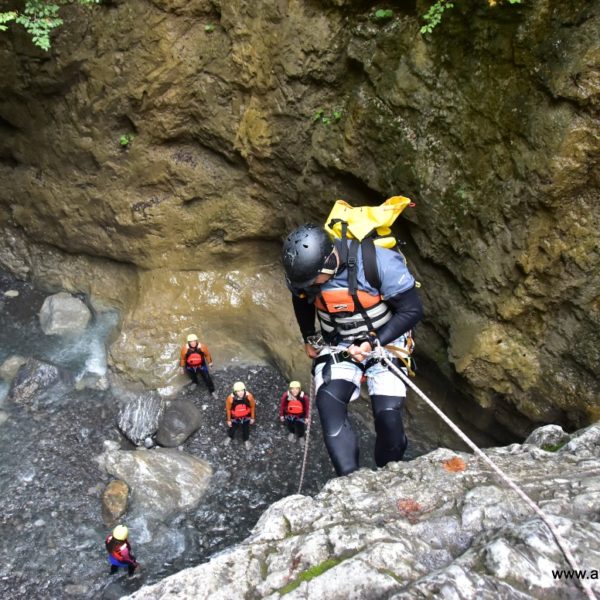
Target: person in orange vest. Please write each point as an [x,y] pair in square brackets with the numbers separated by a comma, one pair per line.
[195,358]
[240,411]
[294,411]
[119,550]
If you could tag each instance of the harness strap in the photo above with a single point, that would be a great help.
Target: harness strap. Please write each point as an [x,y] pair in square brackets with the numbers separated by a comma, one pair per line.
[335,358]
[353,282]
[403,355]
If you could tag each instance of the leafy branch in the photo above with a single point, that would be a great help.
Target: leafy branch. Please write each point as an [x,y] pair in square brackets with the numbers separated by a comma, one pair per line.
[434,14]
[328,117]
[39,18]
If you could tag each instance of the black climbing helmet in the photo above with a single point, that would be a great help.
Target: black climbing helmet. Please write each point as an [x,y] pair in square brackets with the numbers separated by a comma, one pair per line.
[304,254]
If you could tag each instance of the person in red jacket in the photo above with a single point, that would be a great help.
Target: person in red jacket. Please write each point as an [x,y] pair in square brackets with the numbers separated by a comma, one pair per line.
[195,360]
[240,411]
[294,411]
[119,551]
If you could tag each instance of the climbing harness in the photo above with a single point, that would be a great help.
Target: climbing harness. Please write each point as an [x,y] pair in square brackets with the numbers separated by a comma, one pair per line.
[380,353]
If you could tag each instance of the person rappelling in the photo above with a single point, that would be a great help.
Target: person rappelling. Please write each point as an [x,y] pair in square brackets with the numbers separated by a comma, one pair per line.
[119,551]
[195,359]
[240,413]
[360,292]
[294,411]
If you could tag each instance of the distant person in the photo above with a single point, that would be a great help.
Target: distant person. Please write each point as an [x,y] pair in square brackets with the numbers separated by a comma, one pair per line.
[240,411]
[195,359]
[119,551]
[294,411]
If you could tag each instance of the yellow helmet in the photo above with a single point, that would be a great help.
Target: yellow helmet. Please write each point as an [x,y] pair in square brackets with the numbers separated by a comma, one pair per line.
[120,532]
[295,384]
[192,337]
[239,386]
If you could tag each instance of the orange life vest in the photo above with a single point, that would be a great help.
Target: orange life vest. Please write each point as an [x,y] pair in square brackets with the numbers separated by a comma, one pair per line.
[240,407]
[194,357]
[295,406]
[350,316]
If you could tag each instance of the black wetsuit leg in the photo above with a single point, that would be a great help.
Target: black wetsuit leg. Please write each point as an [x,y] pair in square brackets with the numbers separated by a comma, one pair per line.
[193,374]
[113,569]
[299,428]
[290,425]
[390,442]
[340,439]
[207,380]
[231,431]
[246,429]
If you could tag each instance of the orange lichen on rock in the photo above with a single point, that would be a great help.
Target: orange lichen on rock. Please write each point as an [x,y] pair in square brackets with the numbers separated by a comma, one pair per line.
[454,464]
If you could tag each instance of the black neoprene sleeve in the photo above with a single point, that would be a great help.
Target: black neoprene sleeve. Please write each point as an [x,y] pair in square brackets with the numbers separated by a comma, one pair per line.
[407,311]
[305,315]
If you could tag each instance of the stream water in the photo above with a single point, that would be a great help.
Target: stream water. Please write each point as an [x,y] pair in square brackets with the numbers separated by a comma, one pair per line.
[51,529]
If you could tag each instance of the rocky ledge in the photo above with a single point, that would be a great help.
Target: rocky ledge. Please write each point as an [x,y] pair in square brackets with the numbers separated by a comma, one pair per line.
[439,526]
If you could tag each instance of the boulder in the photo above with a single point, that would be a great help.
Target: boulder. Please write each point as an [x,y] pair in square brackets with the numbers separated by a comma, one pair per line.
[179,420]
[114,501]
[549,437]
[10,367]
[62,313]
[416,530]
[163,482]
[139,417]
[35,380]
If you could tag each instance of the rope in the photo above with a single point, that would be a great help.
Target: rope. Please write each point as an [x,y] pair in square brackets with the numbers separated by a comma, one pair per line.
[307,433]
[562,544]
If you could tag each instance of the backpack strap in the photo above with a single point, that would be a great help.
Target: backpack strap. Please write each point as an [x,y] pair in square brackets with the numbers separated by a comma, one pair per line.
[353,281]
[370,262]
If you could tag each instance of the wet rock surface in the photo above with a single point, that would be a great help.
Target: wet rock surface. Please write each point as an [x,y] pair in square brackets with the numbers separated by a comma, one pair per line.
[10,367]
[179,420]
[440,525]
[139,416]
[114,501]
[235,142]
[163,481]
[64,314]
[35,380]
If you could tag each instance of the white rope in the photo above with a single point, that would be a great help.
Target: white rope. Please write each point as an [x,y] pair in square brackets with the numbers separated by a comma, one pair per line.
[562,544]
[307,433]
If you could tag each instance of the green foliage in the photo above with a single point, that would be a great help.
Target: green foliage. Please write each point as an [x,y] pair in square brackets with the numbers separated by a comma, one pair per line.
[433,16]
[39,18]
[382,14]
[553,447]
[6,17]
[209,28]
[310,574]
[125,140]
[328,117]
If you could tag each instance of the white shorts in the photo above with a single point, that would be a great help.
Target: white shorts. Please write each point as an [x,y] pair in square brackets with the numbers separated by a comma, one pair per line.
[380,380]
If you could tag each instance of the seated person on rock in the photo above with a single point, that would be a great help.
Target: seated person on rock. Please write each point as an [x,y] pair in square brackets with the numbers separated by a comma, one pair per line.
[195,359]
[240,412]
[294,411]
